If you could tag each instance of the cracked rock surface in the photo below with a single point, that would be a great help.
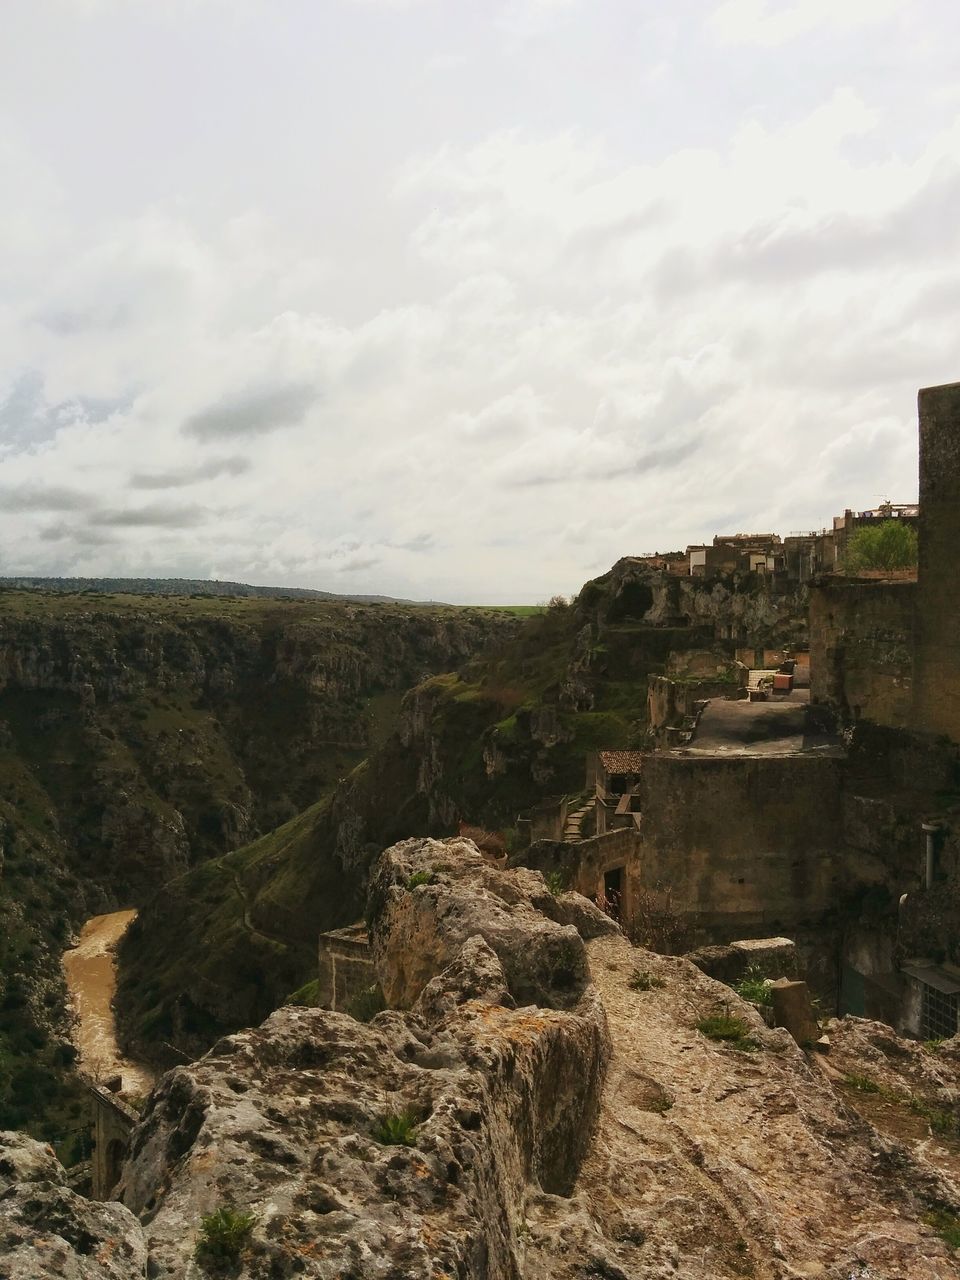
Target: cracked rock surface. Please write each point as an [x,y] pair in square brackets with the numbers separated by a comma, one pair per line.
[492,1092]
[711,1162]
[46,1230]
[539,1104]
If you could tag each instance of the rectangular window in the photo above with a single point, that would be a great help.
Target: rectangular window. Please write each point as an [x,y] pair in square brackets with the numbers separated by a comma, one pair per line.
[938,1013]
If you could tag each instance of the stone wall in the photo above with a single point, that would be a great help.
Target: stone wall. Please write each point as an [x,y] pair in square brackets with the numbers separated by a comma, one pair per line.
[742,843]
[112,1123]
[583,864]
[670,702]
[345,966]
[937,671]
[862,647]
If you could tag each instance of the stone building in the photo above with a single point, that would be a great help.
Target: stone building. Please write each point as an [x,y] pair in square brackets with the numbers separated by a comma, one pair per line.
[887,649]
[885,659]
[736,553]
[937,655]
[112,1124]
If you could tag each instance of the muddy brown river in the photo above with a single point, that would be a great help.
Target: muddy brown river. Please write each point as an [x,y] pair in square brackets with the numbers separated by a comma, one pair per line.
[90,970]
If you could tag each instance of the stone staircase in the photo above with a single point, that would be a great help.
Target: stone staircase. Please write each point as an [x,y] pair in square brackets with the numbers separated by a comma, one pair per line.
[573,831]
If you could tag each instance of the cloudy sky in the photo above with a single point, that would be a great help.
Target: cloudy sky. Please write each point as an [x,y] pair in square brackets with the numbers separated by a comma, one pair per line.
[463,299]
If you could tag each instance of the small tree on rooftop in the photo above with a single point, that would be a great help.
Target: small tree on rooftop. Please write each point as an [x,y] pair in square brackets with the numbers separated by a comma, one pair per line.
[891,544]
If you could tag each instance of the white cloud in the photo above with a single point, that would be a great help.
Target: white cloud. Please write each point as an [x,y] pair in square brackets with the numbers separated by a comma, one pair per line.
[522,21]
[777,22]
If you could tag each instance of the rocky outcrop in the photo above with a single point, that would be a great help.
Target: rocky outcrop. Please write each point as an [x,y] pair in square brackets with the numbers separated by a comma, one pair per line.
[488,1094]
[48,1232]
[719,1158]
[689,1140]
[747,607]
[638,1121]
[462,897]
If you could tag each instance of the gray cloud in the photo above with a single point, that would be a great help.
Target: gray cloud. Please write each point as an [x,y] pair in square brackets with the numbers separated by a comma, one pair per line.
[659,459]
[69,323]
[158,515]
[28,418]
[252,412]
[77,534]
[422,542]
[358,564]
[43,497]
[925,225]
[177,479]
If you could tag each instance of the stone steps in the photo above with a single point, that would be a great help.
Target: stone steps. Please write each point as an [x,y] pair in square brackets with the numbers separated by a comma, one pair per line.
[573,830]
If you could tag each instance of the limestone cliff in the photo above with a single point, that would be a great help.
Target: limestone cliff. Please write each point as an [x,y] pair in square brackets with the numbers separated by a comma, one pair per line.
[542,1103]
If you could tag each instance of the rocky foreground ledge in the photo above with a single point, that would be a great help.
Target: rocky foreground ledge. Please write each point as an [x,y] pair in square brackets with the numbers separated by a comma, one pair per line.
[536,1102]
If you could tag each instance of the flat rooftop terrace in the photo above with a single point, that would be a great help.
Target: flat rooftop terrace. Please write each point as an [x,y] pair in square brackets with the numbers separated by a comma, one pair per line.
[781,727]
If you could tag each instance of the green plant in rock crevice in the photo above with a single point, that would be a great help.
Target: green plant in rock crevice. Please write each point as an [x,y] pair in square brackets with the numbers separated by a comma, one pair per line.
[641,980]
[729,1030]
[223,1235]
[556,882]
[754,986]
[397,1129]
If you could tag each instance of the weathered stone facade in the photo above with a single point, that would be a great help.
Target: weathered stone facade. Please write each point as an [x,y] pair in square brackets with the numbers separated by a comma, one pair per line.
[113,1121]
[889,651]
[862,648]
[345,966]
[937,669]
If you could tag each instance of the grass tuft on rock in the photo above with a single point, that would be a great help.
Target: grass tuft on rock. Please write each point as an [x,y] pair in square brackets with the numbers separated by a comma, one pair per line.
[754,986]
[946,1225]
[398,1129]
[862,1084]
[223,1236]
[421,877]
[730,1030]
[641,980]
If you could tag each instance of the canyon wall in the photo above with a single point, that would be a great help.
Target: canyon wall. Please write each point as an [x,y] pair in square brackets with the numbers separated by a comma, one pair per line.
[140,736]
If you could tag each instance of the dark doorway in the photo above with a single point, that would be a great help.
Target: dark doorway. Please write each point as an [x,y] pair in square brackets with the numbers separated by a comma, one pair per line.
[113,1165]
[613,892]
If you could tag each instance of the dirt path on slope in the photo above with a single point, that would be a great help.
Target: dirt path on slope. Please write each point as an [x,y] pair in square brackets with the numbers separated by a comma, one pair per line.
[709,1163]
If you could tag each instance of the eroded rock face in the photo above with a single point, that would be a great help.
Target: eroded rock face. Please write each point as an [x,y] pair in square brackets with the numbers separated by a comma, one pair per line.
[23,1159]
[496,1093]
[603,1130]
[460,896]
[46,1230]
[712,1161]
